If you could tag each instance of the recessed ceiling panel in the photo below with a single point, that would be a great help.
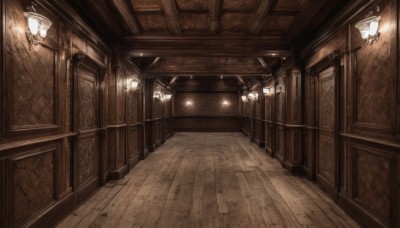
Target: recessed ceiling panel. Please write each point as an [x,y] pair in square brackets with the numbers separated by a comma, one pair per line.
[153,22]
[192,4]
[278,24]
[240,4]
[194,23]
[140,5]
[235,22]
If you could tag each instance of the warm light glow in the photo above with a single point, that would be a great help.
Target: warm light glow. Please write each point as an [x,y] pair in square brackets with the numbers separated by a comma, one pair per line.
[244,98]
[157,95]
[225,103]
[266,90]
[253,96]
[33,24]
[373,27]
[132,84]
[168,96]
[37,24]
[189,103]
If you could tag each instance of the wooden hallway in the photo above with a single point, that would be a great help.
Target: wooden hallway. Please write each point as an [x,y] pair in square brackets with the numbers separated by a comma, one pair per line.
[209,180]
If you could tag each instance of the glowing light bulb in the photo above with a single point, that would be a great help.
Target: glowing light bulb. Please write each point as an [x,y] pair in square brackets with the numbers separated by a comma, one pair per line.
[33,24]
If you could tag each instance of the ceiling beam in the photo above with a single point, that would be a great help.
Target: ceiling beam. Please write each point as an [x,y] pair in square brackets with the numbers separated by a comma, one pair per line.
[214,16]
[171,16]
[153,63]
[205,46]
[203,74]
[264,64]
[258,19]
[127,17]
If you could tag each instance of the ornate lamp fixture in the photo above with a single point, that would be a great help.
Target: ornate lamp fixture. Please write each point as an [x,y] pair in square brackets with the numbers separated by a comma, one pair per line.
[369,26]
[132,84]
[244,98]
[168,96]
[253,96]
[38,26]
[267,91]
[157,95]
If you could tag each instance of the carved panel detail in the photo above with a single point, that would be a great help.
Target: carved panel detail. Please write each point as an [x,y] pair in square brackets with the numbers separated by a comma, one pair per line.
[373,181]
[87,103]
[133,152]
[327,96]
[374,77]
[86,159]
[33,184]
[326,158]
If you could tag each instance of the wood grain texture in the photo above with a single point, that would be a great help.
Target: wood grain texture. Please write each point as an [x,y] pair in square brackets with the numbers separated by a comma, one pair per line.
[373,181]
[31,75]
[374,109]
[209,180]
[33,184]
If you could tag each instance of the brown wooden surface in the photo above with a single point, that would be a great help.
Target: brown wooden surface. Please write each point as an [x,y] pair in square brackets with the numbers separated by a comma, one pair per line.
[209,180]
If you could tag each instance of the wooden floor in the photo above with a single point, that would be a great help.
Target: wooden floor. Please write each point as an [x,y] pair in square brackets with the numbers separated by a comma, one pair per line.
[209,180]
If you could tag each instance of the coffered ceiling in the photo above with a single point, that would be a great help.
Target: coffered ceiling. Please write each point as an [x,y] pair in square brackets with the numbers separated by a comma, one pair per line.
[199,38]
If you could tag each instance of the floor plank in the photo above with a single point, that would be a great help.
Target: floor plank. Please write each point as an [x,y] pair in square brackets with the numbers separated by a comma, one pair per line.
[209,180]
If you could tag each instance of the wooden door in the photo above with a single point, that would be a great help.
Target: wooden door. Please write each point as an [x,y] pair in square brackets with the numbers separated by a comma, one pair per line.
[86,124]
[326,162]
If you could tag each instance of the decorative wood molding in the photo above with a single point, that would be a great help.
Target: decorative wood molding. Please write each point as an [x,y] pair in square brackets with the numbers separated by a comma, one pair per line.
[258,19]
[77,60]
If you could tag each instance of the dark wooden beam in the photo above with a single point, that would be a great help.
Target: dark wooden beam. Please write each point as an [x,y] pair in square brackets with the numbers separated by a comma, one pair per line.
[152,64]
[204,74]
[171,16]
[127,16]
[264,64]
[258,19]
[215,14]
[206,46]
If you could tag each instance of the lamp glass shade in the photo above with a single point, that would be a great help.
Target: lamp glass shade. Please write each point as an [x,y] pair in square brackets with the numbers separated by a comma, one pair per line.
[373,27]
[38,24]
[266,90]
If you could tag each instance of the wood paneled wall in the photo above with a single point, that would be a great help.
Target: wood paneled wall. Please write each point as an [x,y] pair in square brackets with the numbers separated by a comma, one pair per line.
[368,107]
[206,111]
[159,122]
[67,124]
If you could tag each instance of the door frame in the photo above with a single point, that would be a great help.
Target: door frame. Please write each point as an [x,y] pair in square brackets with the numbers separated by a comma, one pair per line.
[330,60]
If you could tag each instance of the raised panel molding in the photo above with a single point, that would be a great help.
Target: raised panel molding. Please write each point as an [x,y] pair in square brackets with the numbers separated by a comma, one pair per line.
[87,160]
[31,79]
[373,170]
[374,90]
[33,183]
[87,102]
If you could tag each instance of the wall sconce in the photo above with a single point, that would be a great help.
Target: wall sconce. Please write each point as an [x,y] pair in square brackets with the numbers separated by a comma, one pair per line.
[244,98]
[253,96]
[189,103]
[132,84]
[225,103]
[279,89]
[369,27]
[267,91]
[157,95]
[38,26]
